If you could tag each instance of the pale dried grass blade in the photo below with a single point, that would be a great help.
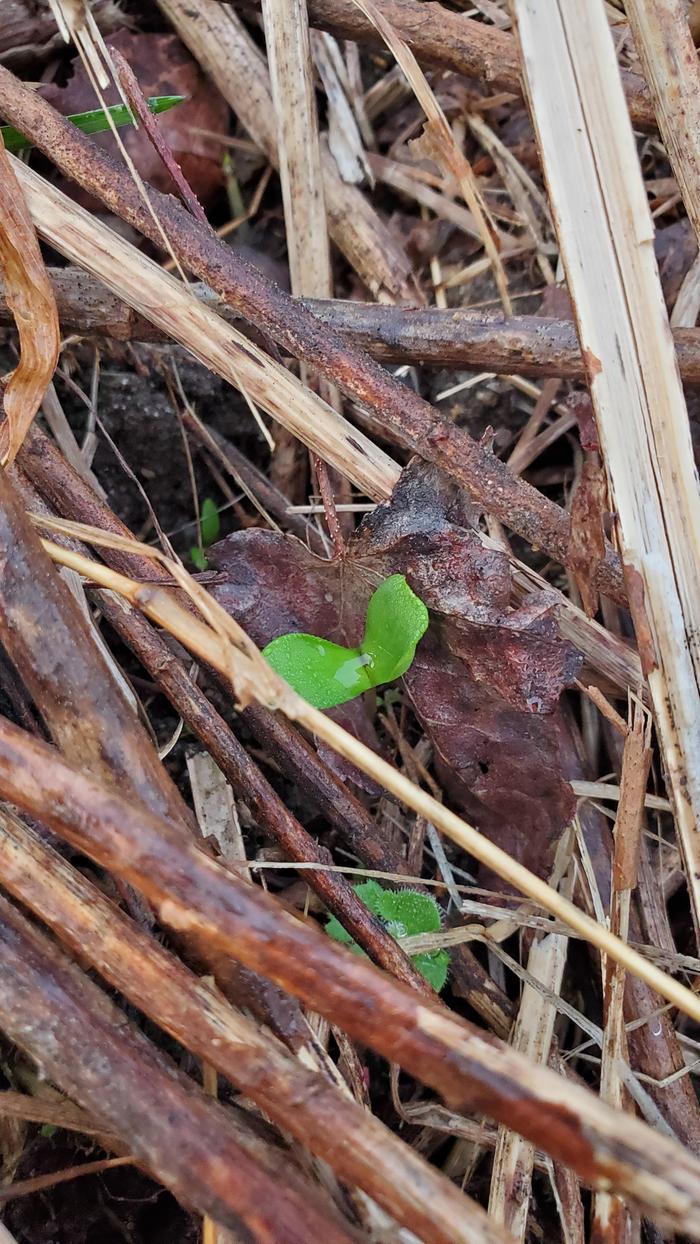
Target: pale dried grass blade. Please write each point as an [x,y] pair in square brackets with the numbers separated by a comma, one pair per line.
[30,297]
[438,143]
[606,238]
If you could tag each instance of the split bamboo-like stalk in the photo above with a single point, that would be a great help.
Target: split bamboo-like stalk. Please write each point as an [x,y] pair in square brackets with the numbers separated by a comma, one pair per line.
[611,1219]
[299,154]
[606,238]
[669,59]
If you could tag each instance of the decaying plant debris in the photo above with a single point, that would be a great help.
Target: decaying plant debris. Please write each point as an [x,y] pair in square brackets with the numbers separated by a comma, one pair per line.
[403,289]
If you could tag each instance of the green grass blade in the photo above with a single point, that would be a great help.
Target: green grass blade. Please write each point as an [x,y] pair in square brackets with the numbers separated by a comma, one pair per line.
[92,122]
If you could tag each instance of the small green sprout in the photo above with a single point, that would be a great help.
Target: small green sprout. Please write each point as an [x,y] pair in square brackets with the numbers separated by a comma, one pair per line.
[209,527]
[327,674]
[92,122]
[405,913]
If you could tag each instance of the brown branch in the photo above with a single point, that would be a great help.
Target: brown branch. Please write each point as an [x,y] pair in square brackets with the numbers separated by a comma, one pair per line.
[85,1045]
[470,1070]
[360,1149]
[539,520]
[527,345]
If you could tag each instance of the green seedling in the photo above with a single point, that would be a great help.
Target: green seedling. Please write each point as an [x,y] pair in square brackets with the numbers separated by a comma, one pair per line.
[92,122]
[327,674]
[404,913]
[209,527]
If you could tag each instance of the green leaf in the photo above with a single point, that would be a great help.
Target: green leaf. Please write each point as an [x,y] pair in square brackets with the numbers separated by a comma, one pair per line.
[405,913]
[419,913]
[199,557]
[434,966]
[92,122]
[396,620]
[209,522]
[327,674]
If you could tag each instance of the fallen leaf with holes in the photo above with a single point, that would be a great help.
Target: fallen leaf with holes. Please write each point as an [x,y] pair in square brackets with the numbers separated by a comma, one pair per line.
[30,297]
[162,66]
[486,679]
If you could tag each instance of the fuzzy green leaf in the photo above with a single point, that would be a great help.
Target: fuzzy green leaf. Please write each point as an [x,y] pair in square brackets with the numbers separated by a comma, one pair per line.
[405,913]
[327,674]
[92,122]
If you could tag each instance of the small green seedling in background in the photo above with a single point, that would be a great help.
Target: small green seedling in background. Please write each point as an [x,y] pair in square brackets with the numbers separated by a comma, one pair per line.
[92,122]
[327,674]
[405,913]
[209,527]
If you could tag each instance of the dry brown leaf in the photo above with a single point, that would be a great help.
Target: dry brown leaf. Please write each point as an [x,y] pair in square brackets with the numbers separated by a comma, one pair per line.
[486,680]
[30,297]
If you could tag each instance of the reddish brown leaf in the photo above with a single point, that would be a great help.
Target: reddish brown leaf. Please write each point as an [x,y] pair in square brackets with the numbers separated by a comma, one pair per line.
[30,297]
[162,66]
[486,679]
[501,766]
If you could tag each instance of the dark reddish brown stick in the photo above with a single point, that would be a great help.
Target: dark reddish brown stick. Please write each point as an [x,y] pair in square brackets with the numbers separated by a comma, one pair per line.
[540,521]
[85,1045]
[472,1071]
[528,345]
[134,95]
[301,1102]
